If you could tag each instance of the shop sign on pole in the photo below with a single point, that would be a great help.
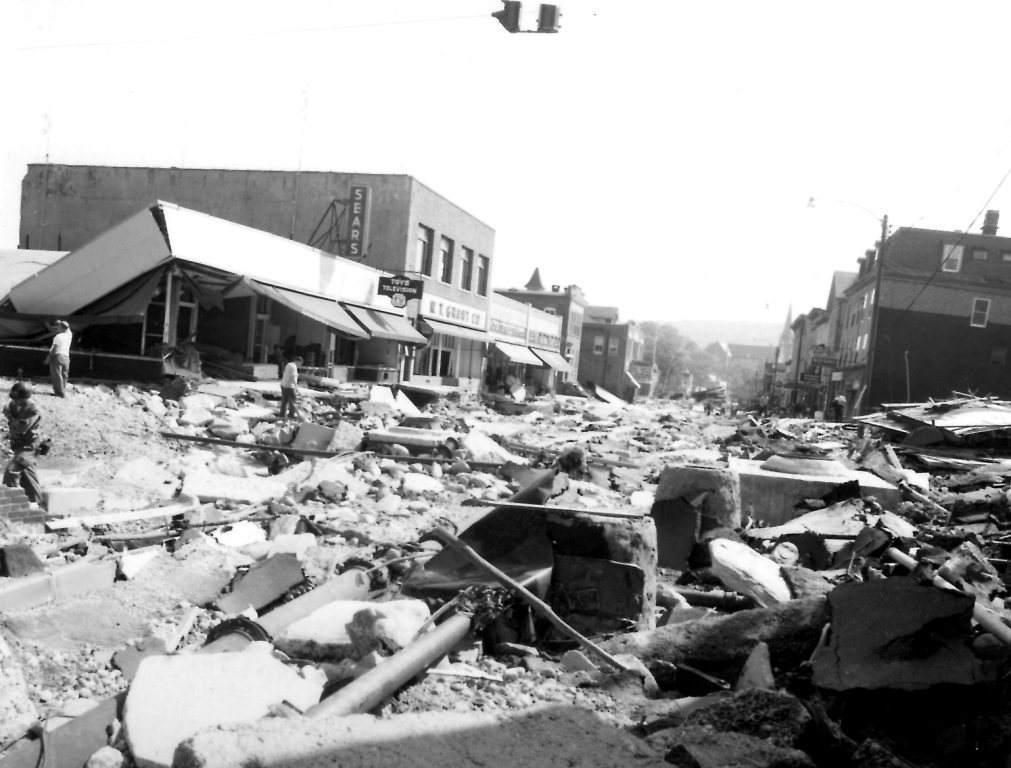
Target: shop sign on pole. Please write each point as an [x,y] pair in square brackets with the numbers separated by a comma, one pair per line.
[358,221]
[400,289]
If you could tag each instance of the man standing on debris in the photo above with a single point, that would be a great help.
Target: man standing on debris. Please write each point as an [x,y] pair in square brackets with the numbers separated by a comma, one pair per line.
[289,387]
[23,419]
[59,357]
[839,406]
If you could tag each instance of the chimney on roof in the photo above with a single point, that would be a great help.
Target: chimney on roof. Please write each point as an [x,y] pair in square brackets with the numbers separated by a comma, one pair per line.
[556,288]
[534,283]
[990,222]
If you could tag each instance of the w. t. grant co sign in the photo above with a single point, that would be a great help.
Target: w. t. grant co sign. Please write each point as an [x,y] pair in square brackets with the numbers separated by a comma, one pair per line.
[452,312]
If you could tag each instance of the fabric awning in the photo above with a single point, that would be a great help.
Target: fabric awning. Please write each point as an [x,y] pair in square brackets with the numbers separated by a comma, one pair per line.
[326,311]
[553,360]
[518,354]
[437,326]
[631,378]
[385,325]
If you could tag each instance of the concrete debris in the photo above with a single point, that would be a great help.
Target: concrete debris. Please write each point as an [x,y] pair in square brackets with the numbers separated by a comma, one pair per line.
[737,586]
[201,691]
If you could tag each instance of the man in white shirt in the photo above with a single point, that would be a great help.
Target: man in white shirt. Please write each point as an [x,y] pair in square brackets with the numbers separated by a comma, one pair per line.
[289,387]
[59,357]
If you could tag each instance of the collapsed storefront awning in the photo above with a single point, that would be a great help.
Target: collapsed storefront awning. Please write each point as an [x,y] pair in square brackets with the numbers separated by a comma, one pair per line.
[553,360]
[385,325]
[437,326]
[632,380]
[326,311]
[518,354]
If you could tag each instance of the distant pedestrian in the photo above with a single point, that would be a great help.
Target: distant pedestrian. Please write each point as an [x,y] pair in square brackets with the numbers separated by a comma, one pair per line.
[289,387]
[59,357]
[23,419]
[839,407]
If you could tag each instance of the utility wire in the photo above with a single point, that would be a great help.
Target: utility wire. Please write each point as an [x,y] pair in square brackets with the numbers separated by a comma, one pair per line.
[940,266]
[240,35]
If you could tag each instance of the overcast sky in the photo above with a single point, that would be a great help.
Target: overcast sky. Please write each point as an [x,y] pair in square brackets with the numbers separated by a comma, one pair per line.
[658,154]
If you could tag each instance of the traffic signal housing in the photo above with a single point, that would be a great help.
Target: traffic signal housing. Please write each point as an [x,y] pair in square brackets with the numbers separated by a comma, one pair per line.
[547,20]
[509,16]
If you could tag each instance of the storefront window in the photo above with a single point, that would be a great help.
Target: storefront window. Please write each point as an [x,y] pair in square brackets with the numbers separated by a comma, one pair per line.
[446,254]
[482,275]
[437,358]
[466,267]
[424,255]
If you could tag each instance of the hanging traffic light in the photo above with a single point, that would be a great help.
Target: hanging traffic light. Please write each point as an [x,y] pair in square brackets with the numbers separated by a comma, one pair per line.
[509,17]
[548,19]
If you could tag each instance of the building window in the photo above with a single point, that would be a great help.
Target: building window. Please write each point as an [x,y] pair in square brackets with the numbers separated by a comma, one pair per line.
[998,356]
[612,346]
[980,313]
[466,267]
[951,258]
[1005,256]
[482,275]
[446,258]
[550,310]
[979,254]
[598,345]
[424,258]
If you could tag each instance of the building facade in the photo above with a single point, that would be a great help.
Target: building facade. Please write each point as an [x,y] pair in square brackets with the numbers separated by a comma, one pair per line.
[569,304]
[608,351]
[930,316]
[391,223]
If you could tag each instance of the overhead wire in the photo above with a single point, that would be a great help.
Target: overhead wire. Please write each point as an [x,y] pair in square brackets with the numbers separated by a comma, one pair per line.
[944,258]
[259,33]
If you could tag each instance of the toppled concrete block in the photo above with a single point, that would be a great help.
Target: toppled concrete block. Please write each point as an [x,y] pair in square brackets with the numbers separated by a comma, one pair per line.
[896,633]
[313,437]
[64,501]
[239,534]
[745,571]
[346,437]
[134,561]
[228,428]
[326,634]
[174,697]
[18,560]
[195,416]
[262,584]
[292,544]
[757,671]
[721,506]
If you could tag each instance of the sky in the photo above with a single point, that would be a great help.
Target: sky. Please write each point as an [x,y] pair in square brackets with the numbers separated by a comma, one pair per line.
[660,155]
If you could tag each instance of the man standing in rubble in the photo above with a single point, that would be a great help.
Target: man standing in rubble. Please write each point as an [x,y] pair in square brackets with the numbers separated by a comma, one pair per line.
[289,387]
[59,357]
[23,419]
[839,406]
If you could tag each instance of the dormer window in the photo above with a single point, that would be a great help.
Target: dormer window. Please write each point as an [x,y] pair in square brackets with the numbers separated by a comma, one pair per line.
[951,258]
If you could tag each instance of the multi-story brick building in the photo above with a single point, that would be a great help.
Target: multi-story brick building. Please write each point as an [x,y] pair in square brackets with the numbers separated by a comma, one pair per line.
[608,351]
[931,316]
[392,223]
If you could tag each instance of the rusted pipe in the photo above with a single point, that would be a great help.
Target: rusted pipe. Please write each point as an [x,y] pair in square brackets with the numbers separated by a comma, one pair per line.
[371,689]
[986,618]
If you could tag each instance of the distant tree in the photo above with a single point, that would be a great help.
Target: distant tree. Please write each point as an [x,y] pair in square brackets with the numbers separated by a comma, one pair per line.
[675,355]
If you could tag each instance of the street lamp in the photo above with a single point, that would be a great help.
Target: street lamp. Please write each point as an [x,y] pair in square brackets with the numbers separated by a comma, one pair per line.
[879,266]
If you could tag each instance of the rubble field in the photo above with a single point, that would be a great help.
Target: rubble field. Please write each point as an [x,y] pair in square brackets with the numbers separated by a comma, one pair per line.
[567,582]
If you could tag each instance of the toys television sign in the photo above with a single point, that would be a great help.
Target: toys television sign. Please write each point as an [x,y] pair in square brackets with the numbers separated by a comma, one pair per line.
[358,221]
[400,289]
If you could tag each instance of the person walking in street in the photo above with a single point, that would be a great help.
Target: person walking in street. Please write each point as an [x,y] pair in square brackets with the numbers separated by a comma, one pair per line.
[23,419]
[839,407]
[59,357]
[289,387]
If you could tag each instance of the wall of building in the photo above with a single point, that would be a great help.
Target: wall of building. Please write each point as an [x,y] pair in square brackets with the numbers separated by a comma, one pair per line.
[606,368]
[71,204]
[944,355]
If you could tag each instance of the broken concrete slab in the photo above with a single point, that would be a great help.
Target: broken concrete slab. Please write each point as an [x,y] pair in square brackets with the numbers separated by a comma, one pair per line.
[214,486]
[61,502]
[720,645]
[507,740]
[757,671]
[17,712]
[743,570]
[897,633]
[133,561]
[262,584]
[326,633]
[696,746]
[18,560]
[721,505]
[174,697]
[770,497]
